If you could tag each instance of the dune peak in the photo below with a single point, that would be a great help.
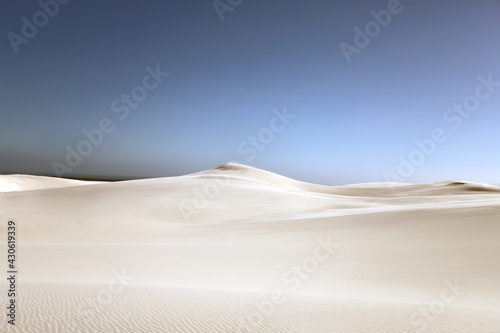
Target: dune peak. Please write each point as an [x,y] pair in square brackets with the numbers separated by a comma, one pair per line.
[456,183]
[233,166]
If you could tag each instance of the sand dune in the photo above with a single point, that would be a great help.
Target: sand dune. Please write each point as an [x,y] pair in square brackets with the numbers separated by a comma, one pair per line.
[238,249]
[12,183]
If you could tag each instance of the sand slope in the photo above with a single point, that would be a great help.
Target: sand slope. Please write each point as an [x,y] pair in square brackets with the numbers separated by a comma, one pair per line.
[12,183]
[204,252]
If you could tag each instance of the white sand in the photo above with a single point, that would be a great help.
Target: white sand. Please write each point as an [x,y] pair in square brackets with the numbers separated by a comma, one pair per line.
[123,257]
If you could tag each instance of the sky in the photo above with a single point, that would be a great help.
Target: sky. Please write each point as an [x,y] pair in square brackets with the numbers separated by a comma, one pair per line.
[330,92]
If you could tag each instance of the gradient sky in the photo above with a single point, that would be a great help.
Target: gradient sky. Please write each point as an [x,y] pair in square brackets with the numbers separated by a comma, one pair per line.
[353,122]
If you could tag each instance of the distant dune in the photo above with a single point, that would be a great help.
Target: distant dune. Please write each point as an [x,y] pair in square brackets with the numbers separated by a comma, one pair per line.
[10,183]
[239,249]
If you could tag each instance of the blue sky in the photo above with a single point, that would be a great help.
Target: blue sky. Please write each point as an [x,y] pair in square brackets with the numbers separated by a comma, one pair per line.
[344,119]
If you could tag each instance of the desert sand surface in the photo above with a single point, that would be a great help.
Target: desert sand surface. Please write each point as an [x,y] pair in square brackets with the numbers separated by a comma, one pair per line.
[238,249]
